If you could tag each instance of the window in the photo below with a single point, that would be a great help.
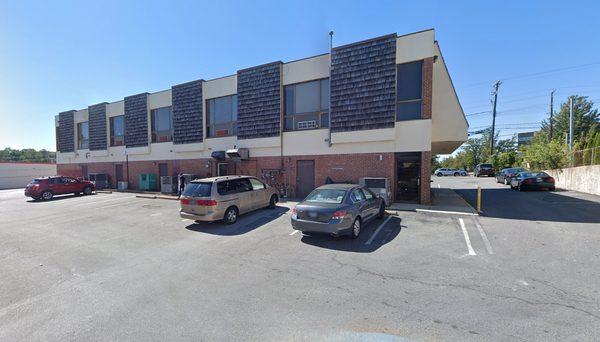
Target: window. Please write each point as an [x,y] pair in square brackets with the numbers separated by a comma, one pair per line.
[256,184]
[198,189]
[357,196]
[409,88]
[83,135]
[368,194]
[117,130]
[162,125]
[326,196]
[221,118]
[222,169]
[57,136]
[307,105]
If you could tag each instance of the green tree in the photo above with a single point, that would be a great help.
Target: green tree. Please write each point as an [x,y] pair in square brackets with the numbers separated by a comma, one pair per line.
[585,117]
[545,154]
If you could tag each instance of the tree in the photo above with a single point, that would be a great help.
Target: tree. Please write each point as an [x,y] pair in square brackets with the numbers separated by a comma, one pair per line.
[584,118]
[545,154]
[26,155]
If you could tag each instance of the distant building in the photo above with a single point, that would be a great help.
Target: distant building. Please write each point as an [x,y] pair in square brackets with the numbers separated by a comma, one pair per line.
[524,138]
[15,175]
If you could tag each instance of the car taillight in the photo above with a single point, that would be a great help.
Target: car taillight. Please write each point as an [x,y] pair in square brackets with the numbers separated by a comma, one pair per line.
[527,181]
[206,203]
[338,215]
[549,179]
[294,211]
[185,201]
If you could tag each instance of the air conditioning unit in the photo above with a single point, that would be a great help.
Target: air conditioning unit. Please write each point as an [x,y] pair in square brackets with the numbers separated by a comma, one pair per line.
[166,184]
[238,153]
[380,186]
[122,186]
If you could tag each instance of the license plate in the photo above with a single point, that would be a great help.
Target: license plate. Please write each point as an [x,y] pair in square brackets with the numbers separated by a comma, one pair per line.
[312,214]
[539,180]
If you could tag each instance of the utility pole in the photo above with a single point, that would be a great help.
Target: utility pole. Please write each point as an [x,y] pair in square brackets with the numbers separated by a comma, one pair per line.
[571,123]
[496,86]
[551,111]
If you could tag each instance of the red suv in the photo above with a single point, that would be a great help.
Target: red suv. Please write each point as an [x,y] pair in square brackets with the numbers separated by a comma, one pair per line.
[45,188]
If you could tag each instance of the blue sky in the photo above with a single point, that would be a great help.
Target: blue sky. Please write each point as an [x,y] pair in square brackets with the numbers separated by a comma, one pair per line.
[62,55]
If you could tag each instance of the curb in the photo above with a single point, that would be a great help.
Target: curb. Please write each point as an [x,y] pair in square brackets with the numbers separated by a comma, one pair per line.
[475,213]
[157,197]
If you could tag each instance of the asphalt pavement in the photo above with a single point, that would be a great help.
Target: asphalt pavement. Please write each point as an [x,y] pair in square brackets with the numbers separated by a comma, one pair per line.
[117,267]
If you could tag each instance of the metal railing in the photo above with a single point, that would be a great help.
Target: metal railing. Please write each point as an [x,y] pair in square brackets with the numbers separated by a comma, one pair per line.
[589,156]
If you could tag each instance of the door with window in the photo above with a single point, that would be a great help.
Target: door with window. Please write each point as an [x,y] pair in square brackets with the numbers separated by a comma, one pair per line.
[118,174]
[408,177]
[305,177]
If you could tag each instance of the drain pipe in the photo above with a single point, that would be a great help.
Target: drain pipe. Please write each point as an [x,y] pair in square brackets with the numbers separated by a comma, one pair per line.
[330,57]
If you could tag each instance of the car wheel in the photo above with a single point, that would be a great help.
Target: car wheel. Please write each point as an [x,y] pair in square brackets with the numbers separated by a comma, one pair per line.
[356,228]
[47,195]
[552,189]
[273,202]
[381,212]
[231,215]
[456,174]
[87,190]
[439,174]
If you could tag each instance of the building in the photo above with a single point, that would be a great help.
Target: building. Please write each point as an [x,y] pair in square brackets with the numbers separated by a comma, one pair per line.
[524,138]
[15,175]
[381,109]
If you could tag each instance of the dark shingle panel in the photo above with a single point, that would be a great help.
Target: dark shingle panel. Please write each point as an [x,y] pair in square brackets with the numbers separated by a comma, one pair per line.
[97,126]
[187,112]
[66,131]
[363,85]
[136,120]
[259,100]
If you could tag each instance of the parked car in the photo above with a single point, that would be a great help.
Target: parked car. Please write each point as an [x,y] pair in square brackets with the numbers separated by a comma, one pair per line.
[337,209]
[449,172]
[505,175]
[532,181]
[225,198]
[484,170]
[47,187]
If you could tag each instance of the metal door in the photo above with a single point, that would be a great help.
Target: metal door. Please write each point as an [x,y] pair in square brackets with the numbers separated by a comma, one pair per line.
[305,177]
[163,170]
[118,173]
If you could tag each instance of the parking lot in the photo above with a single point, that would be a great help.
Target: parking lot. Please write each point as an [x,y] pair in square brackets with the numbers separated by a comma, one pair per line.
[118,267]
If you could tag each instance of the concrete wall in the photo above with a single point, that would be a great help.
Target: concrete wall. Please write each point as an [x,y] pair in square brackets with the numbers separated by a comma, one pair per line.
[17,175]
[581,178]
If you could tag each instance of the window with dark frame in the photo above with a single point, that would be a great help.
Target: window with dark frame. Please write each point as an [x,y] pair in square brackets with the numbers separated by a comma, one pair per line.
[117,130]
[221,116]
[162,124]
[409,91]
[307,105]
[57,137]
[83,135]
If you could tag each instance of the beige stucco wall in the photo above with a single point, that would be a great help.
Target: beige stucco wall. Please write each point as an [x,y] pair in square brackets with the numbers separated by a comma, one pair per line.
[18,175]
[307,69]
[415,46]
[449,129]
[582,178]
[218,87]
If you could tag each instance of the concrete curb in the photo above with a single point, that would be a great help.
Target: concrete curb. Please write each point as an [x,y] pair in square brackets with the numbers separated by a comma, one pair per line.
[172,198]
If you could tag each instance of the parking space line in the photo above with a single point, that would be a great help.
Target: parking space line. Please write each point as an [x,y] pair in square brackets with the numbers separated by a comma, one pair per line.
[378,230]
[467,239]
[294,232]
[486,242]
[155,214]
[102,201]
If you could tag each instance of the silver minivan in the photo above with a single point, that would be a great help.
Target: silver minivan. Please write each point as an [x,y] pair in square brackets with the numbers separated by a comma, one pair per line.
[225,198]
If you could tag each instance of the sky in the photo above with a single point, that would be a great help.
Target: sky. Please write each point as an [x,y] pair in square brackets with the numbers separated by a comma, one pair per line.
[62,55]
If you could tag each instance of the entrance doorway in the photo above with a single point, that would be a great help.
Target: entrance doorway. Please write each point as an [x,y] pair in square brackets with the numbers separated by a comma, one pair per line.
[305,177]
[84,171]
[163,170]
[222,169]
[408,177]
[118,174]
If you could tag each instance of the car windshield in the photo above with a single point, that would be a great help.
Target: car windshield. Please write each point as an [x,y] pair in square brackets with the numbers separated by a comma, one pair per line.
[487,166]
[326,196]
[36,181]
[198,189]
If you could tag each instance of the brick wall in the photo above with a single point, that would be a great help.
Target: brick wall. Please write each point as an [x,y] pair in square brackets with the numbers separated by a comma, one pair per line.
[425,187]
[427,88]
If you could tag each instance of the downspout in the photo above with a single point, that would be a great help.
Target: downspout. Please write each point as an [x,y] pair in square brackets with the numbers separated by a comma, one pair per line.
[330,57]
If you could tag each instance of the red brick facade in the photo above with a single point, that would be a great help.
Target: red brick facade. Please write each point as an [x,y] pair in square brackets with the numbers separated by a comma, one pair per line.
[427,88]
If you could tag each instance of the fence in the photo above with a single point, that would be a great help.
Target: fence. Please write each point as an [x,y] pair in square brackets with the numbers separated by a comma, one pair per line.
[590,156]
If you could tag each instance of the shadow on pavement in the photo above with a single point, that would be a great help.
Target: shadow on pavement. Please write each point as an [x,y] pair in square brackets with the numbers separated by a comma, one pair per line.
[246,223]
[58,198]
[366,241]
[560,206]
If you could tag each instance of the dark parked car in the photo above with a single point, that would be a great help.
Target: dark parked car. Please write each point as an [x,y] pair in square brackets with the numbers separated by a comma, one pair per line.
[337,209]
[505,175]
[45,188]
[532,181]
[484,170]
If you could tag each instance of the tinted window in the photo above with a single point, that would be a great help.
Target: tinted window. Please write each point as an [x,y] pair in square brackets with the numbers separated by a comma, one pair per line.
[306,105]
[226,188]
[326,196]
[357,196]
[256,184]
[198,189]
[162,124]
[221,116]
[117,130]
[242,185]
[368,194]
[409,84]
[83,135]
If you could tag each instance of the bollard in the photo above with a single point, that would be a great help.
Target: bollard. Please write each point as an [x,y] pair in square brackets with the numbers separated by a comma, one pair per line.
[478,199]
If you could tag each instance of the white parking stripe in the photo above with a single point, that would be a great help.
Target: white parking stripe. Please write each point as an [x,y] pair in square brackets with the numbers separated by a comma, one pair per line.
[377,230]
[486,242]
[102,201]
[155,214]
[294,232]
[466,234]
